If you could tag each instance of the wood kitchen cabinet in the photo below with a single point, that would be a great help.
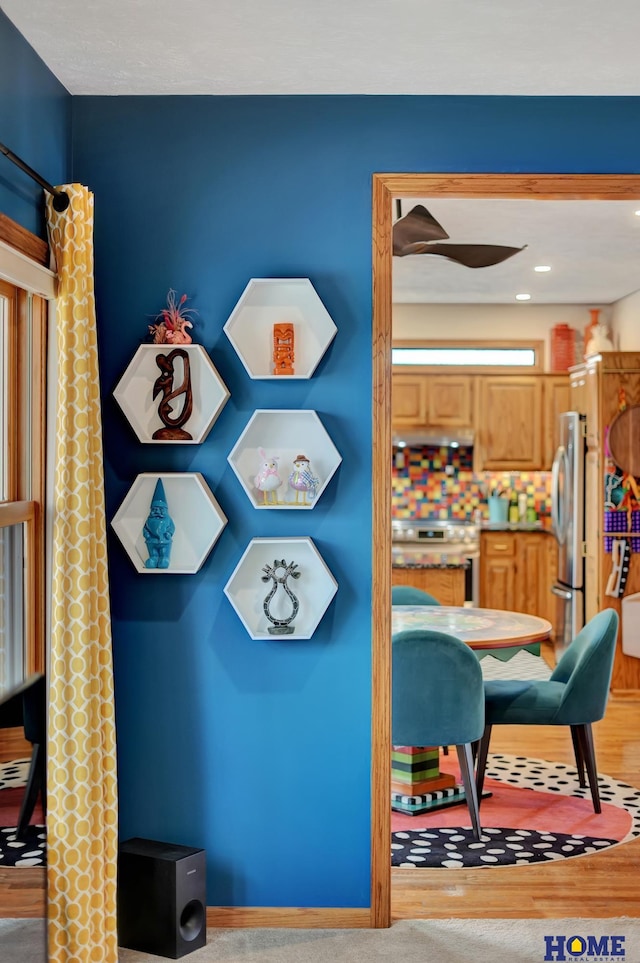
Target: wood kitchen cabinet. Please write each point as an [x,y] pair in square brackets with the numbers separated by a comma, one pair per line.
[432,400]
[517,570]
[509,423]
[556,398]
[514,417]
[445,584]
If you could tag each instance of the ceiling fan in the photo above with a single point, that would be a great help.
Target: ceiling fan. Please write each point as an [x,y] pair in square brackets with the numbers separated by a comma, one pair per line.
[418,232]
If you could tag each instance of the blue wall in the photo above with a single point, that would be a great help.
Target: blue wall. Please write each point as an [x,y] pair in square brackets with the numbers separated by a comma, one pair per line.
[260,751]
[35,123]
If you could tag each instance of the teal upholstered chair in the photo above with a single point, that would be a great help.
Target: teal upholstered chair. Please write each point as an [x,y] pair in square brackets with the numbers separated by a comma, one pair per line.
[576,695]
[438,699]
[408,595]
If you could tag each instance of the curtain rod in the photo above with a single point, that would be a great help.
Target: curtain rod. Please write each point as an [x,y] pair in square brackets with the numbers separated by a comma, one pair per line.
[60,198]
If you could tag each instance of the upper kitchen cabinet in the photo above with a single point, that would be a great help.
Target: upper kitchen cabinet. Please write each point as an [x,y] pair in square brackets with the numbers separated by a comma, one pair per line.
[556,398]
[432,400]
[509,434]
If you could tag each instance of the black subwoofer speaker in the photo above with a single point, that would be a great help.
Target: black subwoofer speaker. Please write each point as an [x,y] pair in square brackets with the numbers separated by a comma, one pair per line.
[161,898]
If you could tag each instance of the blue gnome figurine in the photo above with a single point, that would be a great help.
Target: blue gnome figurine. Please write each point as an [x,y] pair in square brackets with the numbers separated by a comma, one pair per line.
[158,530]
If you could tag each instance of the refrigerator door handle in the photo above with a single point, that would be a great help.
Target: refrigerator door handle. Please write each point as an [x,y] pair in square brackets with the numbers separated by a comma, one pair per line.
[557,527]
[561,593]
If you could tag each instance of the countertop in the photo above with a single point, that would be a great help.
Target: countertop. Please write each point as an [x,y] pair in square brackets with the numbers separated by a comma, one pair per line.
[428,560]
[542,525]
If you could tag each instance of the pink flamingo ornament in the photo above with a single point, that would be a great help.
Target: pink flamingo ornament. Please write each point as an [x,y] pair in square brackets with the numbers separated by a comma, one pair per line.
[268,480]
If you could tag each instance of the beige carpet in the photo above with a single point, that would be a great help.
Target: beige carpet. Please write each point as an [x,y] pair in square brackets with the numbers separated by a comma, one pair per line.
[426,941]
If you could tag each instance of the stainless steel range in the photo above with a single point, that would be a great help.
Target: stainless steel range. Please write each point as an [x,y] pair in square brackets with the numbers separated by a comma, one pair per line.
[451,541]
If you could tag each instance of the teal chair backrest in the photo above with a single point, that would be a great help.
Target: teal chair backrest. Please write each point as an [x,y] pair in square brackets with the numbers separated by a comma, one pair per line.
[408,595]
[586,669]
[437,690]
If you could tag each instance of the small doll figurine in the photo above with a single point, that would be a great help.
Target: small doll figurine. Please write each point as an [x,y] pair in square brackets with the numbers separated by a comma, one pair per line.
[302,480]
[158,530]
[268,480]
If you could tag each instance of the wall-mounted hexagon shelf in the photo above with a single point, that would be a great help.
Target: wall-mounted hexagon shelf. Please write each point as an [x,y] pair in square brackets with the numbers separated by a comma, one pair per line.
[134,393]
[284,459]
[266,302]
[250,588]
[197,517]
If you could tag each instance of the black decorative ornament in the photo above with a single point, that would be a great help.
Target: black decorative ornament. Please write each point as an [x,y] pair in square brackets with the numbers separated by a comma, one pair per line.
[278,573]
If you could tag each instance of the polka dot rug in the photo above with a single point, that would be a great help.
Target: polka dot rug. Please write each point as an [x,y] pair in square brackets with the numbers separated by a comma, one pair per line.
[537,813]
[30,849]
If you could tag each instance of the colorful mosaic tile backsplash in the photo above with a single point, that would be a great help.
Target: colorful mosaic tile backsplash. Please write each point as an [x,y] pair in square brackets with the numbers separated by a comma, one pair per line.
[434,482]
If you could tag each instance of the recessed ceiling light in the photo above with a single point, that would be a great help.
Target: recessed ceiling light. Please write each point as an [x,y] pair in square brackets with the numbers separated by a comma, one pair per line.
[541,268]
[523,297]
[637,213]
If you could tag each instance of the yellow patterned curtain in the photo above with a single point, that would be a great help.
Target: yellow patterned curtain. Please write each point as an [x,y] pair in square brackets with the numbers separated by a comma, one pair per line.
[81,764]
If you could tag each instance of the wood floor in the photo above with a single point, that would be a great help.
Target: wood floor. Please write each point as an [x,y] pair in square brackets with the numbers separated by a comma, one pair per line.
[600,886]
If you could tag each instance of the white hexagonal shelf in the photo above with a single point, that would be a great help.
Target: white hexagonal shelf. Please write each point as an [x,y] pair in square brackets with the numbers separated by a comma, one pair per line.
[250,588]
[197,517]
[268,451]
[269,301]
[134,393]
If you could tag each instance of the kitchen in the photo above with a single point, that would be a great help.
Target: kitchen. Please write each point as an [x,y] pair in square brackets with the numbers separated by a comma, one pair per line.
[464,434]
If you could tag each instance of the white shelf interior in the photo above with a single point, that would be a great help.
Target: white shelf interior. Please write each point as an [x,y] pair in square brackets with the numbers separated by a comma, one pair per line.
[314,589]
[197,517]
[134,393]
[269,301]
[283,435]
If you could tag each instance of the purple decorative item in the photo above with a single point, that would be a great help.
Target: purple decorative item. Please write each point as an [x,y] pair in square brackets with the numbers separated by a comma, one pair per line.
[615,521]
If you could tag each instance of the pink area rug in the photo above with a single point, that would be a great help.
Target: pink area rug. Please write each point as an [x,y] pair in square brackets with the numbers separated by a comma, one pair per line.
[536,812]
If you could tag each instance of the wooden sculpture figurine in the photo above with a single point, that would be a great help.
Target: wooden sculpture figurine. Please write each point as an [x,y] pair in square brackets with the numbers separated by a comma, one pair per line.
[158,530]
[268,479]
[173,430]
[303,481]
[283,356]
[278,574]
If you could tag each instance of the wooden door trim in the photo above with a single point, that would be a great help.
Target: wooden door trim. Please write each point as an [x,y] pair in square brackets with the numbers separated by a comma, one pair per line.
[385,188]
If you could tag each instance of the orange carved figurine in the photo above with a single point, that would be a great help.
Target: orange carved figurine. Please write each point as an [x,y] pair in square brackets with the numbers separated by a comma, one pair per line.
[283,356]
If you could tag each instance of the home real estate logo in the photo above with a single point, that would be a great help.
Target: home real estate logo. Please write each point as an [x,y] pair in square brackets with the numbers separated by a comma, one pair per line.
[584,949]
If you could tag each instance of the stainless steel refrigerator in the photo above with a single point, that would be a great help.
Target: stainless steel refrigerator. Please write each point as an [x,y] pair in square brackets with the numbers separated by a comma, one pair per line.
[568,516]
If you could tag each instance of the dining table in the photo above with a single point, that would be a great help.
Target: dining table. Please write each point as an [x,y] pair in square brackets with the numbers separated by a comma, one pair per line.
[482,630]
[479,628]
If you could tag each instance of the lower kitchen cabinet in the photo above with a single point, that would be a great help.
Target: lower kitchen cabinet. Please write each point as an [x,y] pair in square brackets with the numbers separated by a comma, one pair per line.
[445,584]
[517,570]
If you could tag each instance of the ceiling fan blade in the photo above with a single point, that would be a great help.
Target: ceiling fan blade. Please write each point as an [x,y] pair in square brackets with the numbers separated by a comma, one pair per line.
[469,255]
[418,225]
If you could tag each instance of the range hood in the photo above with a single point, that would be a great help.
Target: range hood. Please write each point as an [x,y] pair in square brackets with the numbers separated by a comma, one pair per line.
[437,437]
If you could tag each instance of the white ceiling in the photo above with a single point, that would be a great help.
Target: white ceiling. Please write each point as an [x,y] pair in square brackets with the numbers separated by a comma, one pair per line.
[545,47]
[496,47]
[592,247]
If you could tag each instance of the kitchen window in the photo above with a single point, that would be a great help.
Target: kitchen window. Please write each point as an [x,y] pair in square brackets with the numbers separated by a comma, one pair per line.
[507,357]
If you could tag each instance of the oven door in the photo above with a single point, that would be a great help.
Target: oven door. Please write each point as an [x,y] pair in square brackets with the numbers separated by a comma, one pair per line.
[472,582]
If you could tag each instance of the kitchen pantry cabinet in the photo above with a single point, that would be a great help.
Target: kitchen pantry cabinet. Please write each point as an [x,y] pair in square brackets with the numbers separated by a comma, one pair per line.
[445,584]
[517,570]
[432,400]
